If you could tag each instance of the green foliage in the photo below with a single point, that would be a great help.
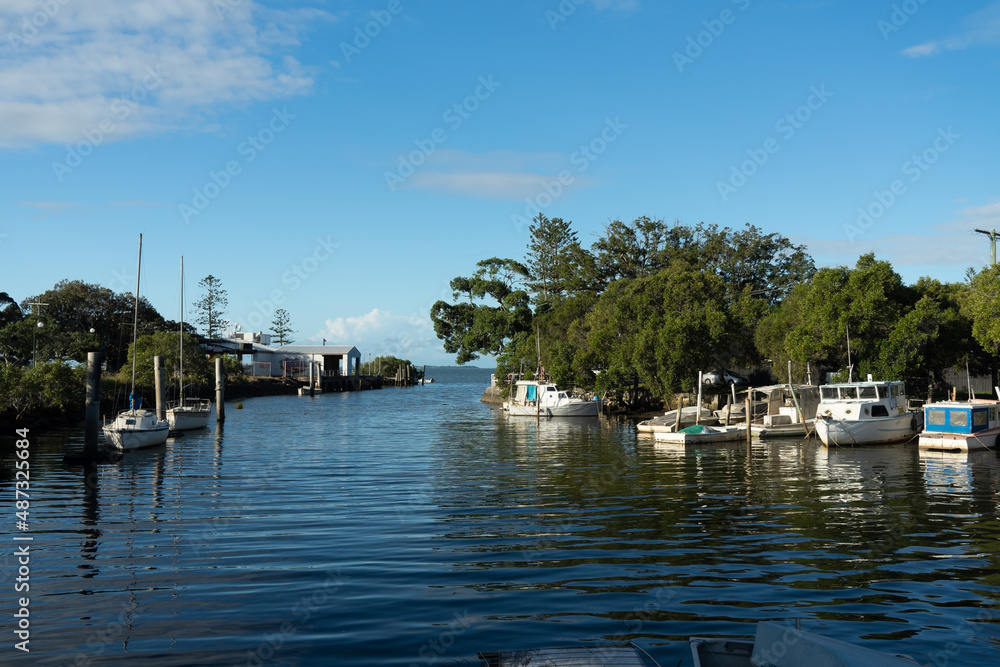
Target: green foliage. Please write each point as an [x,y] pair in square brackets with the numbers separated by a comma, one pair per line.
[48,390]
[556,263]
[281,327]
[73,309]
[661,328]
[982,305]
[496,313]
[197,368]
[387,366]
[212,306]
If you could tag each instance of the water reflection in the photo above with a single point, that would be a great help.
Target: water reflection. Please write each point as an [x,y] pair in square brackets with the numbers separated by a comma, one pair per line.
[531,532]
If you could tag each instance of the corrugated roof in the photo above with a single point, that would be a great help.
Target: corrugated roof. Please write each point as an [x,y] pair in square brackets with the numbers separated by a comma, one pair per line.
[318,349]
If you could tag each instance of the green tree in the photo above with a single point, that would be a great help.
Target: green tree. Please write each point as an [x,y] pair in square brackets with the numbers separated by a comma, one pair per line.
[212,306]
[640,248]
[166,344]
[659,329]
[50,390]
[281,327]
[74,308]
[556,263]
[9,310]
[981,304]
[495,313]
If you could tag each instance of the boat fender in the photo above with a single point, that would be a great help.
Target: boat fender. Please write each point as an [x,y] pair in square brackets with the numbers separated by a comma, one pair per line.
[913,424]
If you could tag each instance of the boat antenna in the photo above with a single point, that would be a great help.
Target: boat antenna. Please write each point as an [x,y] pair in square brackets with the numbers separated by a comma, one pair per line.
[850,367]
[538,352]
[181,336]
[135,324]
[968,380]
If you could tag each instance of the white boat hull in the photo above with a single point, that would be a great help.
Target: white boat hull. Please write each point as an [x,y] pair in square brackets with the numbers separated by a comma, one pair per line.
[873,431]
[133,430]
[186,419]
[574,409]
[716,434]
[961,442]
[783,430]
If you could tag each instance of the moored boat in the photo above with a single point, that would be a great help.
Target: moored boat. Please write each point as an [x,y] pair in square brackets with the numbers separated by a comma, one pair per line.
[667,422]
[700,434]
[136,428]
[191,413]
[865,413]
[790,411]
[545,399]
[961,425]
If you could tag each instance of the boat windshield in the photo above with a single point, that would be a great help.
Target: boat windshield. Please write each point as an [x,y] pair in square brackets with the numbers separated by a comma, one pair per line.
[883,391]
[866,392]
[829,393]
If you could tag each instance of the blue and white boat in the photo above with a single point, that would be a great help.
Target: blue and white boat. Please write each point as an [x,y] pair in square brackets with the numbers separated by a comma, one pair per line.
[961,425]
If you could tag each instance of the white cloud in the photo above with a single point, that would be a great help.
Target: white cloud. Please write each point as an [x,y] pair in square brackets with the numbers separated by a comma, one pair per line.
[381,332]
[616,4]
[982,27]
[140,65]
[499,175]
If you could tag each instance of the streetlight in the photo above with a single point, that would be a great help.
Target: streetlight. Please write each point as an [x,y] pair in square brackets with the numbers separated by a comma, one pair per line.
[34,346]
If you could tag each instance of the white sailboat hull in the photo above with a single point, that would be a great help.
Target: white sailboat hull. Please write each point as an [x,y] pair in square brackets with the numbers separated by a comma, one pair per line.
[136,429]
[873,431]
[188,418]
[193,413]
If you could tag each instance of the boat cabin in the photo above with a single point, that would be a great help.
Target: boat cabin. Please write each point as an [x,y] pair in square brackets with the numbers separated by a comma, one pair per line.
[862,400]
[963,417]
[529,392]
[781,404]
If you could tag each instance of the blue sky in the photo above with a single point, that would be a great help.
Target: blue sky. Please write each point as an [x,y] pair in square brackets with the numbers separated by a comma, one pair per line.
[345,160]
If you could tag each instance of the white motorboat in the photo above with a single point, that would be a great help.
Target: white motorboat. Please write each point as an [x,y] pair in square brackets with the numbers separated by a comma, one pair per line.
[191,413]
[700,434]
[961,425]
[865,413]
[783,646]
[545,399]
[136,428]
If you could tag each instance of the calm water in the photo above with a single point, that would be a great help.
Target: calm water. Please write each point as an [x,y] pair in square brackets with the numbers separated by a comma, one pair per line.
[418,526]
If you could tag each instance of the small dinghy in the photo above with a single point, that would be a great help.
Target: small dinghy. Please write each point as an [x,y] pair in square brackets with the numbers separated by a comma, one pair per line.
[612,655]
[784,646]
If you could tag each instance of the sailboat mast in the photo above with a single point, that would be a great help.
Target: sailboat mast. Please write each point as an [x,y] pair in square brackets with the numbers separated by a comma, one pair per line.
[135,320]
[181,401]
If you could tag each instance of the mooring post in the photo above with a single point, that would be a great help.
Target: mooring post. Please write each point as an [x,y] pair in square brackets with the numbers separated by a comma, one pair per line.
[220,392]
[161,395]
[680,409]
[93,410]
[749,416]
[311,393]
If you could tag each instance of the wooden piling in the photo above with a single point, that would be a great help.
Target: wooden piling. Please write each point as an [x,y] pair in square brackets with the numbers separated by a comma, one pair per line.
[697,415]
[749,416]
[220,392]
[93,410]
[312,384]
[680,409]
[161,390]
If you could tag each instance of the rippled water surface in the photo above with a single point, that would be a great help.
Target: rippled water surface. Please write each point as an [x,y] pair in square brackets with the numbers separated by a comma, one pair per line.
[417,526]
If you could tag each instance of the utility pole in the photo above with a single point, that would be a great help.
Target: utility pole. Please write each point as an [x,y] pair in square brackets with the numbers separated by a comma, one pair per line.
[33,329]
[993,244]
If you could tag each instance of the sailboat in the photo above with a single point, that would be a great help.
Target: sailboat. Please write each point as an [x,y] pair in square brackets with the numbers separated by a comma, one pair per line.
[136,428]
[193,412]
